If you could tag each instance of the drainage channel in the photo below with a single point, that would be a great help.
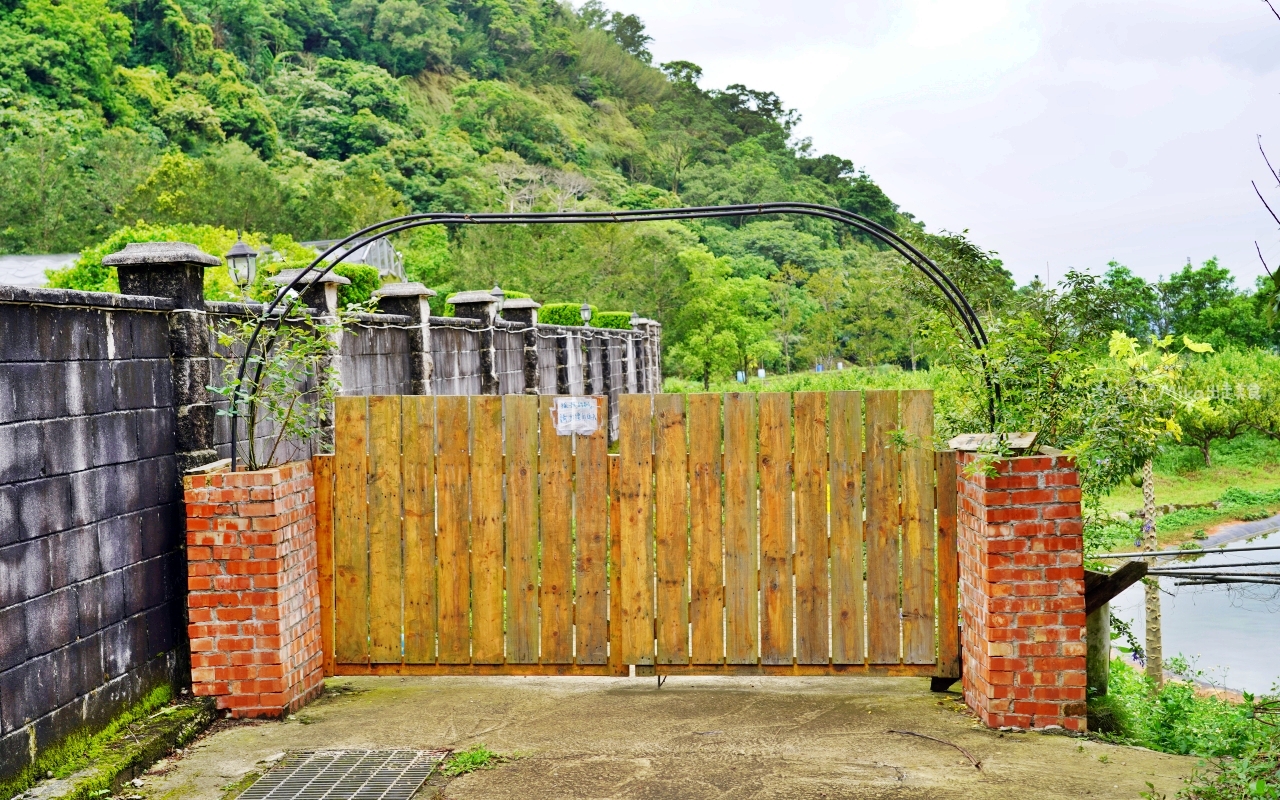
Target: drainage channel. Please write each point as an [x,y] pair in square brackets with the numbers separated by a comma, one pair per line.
[346,775]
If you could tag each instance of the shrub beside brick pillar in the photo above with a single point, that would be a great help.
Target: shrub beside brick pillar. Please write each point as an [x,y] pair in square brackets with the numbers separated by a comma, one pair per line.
[253,593]
[1022,593]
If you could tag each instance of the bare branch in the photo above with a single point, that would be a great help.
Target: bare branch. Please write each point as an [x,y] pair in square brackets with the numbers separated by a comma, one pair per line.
[1274,174]
[1263,260]
[1273,8]
[1264,202]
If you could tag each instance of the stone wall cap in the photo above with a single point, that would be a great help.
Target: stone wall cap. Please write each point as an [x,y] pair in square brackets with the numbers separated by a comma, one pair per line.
[140,253]
[409,289]
[286,276]
[466,298]
[520,303]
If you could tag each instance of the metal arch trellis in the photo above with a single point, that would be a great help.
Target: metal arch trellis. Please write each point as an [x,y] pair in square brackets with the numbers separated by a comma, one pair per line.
[968,317]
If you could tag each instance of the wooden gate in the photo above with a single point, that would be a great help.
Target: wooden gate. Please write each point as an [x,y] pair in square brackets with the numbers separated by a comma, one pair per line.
[731,534]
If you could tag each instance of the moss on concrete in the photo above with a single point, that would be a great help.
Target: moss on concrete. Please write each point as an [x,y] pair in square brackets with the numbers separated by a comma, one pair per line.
[90,765]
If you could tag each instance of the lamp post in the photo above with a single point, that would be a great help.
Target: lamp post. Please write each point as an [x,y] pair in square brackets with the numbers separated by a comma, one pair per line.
[635,320]
[242,263]
[585,311]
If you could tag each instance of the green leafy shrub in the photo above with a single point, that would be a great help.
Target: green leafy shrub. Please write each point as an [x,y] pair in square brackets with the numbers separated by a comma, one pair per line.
[1174,719]
[365,280]
[568,314]
[616,320]
[89,275]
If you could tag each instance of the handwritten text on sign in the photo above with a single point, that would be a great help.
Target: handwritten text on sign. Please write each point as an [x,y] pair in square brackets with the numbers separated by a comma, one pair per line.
[578,415]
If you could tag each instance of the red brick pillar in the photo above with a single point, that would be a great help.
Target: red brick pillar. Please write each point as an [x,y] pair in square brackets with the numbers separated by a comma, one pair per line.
[1022,592]
[252,589]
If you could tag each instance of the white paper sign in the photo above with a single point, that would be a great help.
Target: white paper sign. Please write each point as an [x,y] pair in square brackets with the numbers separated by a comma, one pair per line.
[578,415]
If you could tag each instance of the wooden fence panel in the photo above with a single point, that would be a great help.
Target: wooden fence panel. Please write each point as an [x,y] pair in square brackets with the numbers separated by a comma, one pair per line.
[465,536]
[418,470]
[618,665]
[948,568]
[776,545]
[351,533]
[487,579]
[741,539]
[635,498]
[671,528]
[918,593]
[706,600]
[384,530]
[591,609]
[322,470]
[847,608]
[555,516]
[811,548]
[521,413]
[883,608]
[453,574]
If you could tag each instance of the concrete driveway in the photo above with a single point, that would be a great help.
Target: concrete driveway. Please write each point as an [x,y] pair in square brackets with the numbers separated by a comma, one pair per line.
[694,738]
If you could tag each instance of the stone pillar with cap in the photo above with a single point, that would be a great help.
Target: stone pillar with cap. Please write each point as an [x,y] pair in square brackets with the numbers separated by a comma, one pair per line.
[317,293]
[655,351]
[481,306]
[412,300]
[175,270]
[524,311]
[320,294]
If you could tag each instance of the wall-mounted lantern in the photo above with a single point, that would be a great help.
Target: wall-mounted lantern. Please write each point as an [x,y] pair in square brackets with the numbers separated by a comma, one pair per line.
[242,263]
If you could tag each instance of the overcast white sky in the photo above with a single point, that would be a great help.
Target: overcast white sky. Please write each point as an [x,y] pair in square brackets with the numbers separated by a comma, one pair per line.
[1066,133]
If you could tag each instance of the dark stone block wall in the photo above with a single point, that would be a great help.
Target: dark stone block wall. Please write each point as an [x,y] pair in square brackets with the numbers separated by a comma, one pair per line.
[91,566]
[92,560]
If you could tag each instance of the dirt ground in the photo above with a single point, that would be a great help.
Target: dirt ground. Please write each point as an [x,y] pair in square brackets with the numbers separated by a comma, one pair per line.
[693,738]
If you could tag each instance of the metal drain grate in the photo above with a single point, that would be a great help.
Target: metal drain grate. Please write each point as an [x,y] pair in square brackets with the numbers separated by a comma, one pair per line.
[347,775]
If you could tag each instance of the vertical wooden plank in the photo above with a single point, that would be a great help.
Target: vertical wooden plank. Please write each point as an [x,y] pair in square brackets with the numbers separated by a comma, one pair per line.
[706,572]
[917,528]
[812,624]
[591,487]
[635,500]
[555,514]
[521,415]
[948,568]
[617,665]
[418,468]
[453,565]
[741,539]
[385,573]
[322,472]
[671,528]
[351,532]
[884,634]
[487,577]
[777,644]
[847,608]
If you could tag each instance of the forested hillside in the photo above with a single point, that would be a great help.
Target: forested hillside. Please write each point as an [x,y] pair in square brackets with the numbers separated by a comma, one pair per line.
[305,119]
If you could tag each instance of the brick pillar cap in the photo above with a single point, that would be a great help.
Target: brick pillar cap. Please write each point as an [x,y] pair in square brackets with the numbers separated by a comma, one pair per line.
[410,289]
[136,254]
[520,303]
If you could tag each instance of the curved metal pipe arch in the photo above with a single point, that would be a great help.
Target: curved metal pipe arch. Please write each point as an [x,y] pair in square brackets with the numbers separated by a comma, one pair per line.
[956,298]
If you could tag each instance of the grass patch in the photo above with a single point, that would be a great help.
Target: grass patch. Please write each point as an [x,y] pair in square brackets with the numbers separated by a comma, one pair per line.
[1186,525]
[473,758]
[233,790]
[1250,460]
[112,748]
